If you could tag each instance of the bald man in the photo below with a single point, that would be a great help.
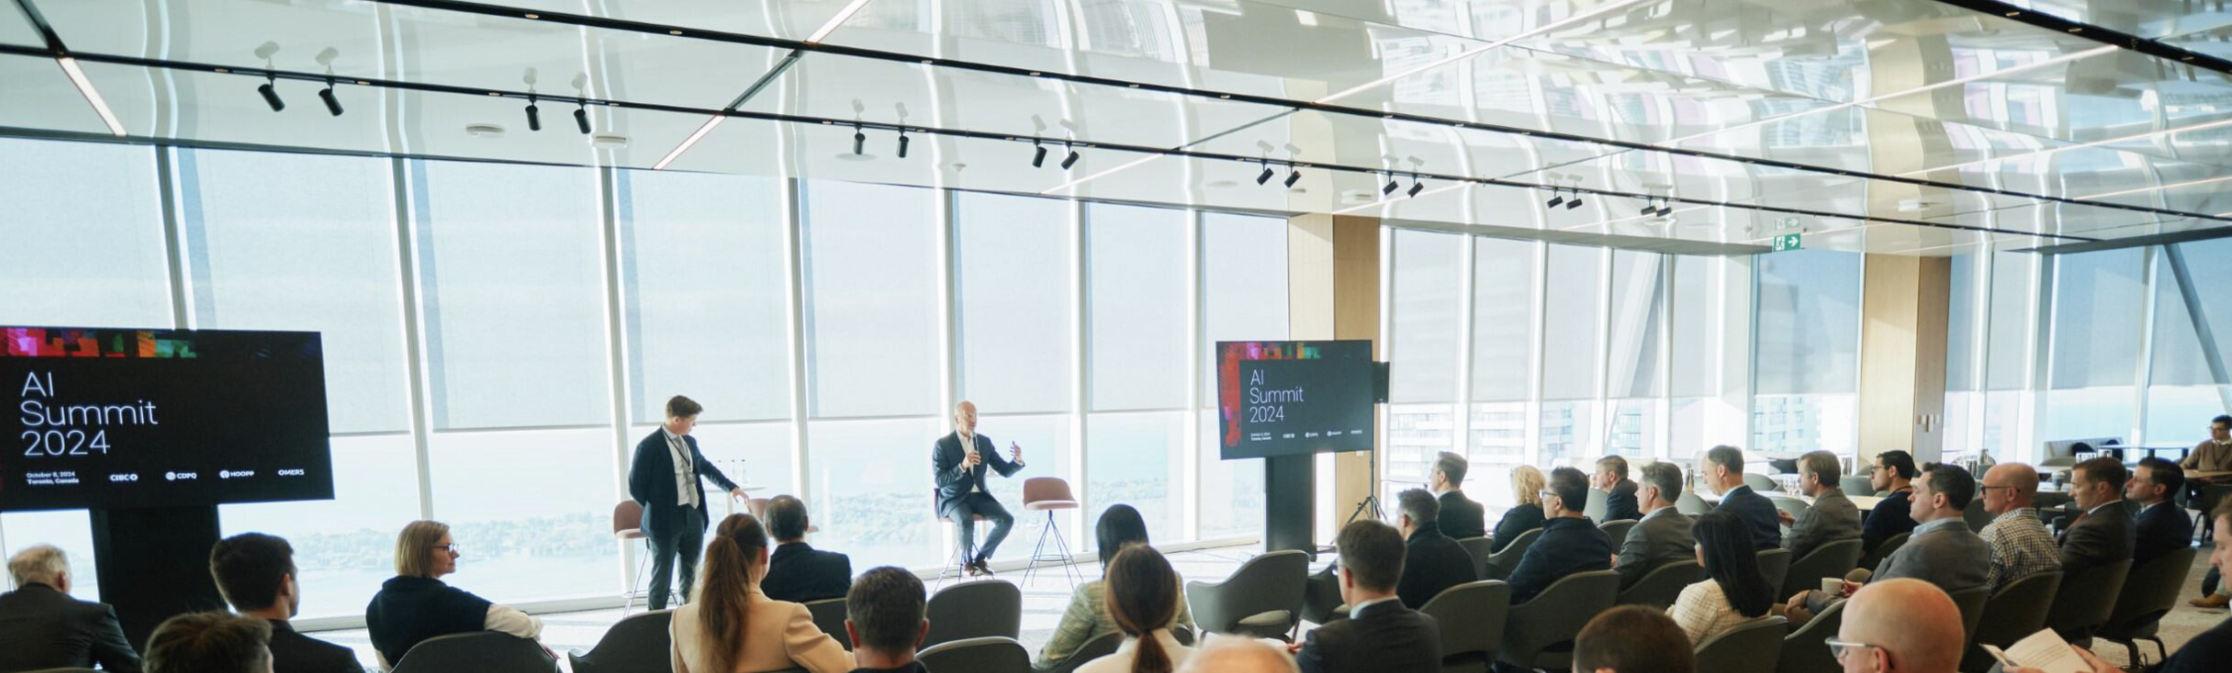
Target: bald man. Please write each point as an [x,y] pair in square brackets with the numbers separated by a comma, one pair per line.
[958,460]
[2021,545]
[1236,654]
[1899,626]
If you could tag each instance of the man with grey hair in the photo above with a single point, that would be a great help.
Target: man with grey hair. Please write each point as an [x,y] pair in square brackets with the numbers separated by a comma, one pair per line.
[1832,516]
[42,627]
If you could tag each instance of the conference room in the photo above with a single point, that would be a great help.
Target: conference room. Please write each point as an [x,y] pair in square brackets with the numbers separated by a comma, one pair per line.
[607,324]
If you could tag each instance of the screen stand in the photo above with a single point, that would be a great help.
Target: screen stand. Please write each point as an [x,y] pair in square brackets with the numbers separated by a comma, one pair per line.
[154,564]
[1289,503]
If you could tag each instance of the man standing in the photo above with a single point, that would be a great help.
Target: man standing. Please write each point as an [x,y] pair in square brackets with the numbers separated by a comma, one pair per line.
[1663,535]
[1724,471]
[959,460]
[2021,545]
[664,479]
[1460,517]
[1832,516]
[256,574]
[2162,526]
[1619,499]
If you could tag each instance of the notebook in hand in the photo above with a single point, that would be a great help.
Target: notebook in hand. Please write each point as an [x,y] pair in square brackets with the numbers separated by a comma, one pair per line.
[2045,651]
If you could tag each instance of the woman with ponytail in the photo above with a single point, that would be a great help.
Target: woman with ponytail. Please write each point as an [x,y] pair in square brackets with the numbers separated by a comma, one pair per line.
[1142,599]
[730,627]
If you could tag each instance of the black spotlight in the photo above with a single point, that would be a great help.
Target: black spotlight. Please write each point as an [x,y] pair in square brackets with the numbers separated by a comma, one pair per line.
[1648,208]
[1556,198]
[1293,175]
[1070,160]
[860,141]
[534,115]
[332,104]
[270,91]
[902,143]
[1416,186]
[1264,176]
[1038,156]
[1390,187]
[581,117]
[1665,210]
[1575,203]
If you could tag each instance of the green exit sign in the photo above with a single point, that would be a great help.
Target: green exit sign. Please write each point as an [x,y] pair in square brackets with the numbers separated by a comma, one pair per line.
[1786,242]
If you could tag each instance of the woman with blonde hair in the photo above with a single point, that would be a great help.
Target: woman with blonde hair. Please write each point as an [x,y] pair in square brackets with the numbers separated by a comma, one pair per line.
[1143,598]
[730,627]
[415,605]
[1526,485]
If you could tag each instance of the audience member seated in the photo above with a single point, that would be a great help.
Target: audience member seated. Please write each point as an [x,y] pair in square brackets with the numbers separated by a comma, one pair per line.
[1942,551]
[2104,533]
[1734,589]
[256,574]
[415,605]
[1893,477]
[1569,543]
[1830,518]
[2162,526]
[1619,499]
[2021,545]
[731,627]
[1634,639]
[1460,517]
[1724,472]
[42,627]
[1143,598]
[2211,455]
[1229,654]
[210,642]
[1896,626]
[1381,634]
[885,619]
[1663,535]
[1526,487]
[1087,618]
[797,572]
[1431,561]
[2208,651]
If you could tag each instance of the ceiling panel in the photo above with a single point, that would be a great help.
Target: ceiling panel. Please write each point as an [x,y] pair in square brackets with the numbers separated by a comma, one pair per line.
[39,96]
[2152,19]
[16,29]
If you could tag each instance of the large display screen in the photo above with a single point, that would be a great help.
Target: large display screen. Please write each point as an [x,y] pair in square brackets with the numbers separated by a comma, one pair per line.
[1285,398]
[122,418]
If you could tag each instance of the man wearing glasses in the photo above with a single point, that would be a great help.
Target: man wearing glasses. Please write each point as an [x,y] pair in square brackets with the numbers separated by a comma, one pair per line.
[2020,543]
[1569,543]
[1899,625]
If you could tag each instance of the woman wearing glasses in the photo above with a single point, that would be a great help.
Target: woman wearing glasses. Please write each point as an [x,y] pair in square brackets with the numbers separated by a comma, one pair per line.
[415,605]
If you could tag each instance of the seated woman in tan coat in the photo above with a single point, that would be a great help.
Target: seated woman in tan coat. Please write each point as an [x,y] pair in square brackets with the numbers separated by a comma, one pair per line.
[730,627]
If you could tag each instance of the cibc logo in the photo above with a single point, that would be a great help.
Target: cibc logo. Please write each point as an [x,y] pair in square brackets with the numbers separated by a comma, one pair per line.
[125,477]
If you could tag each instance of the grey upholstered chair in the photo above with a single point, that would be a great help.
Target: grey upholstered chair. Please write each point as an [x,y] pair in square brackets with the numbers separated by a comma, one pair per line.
[479,652]
[1855,484]
[1761,483]
[1971,602]
[2085,601]
[1471,617]
[1500,564]
[2147,595]
[1774,564]
[829,615]
[1479,548]
[1096,648]
[1689,504]
[1617,530]
[1829,560]
[1790,505]
[1883,551]
[1659,587]
[637,644]
[1599,502]
[1976,517]
[1539,633]
[1803,651]
[988,654]
[1750,648]
[974,609]
[1263,598]
[2014,612]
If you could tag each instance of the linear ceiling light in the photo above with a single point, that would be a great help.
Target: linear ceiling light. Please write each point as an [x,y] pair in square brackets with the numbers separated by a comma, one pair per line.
[835,21]
[2188,183]
[2150,135]
[92,95]
[707,127]
[1476,51]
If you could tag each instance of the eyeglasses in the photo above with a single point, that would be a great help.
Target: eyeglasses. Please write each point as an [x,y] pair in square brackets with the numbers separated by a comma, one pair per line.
[1545,495]
[451,548]
[1989,489]
[1838,648]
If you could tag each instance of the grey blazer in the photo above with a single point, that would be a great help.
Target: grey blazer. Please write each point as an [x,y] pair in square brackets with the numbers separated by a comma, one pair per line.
[1831,518]
[2098,540]
[1942,552]
[1661,537]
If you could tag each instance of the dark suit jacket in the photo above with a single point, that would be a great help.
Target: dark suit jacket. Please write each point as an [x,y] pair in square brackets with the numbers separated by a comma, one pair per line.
[1461,517]
[955,482]
[1756,511]
[1384,638]
[1432,562]
[2162,529]
[799,573]
[1515,521]
[1619,504]
[1568,545]
[42,628]
[1892,516]
[293,652]
[651,481]
[1661,537]
[2097,540]
[2206,652]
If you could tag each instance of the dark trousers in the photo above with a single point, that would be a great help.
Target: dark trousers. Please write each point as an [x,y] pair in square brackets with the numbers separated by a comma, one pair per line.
[685,536]
[964,515]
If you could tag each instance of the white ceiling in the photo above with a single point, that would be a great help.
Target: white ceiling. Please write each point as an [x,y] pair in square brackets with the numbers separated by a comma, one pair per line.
[1823,110]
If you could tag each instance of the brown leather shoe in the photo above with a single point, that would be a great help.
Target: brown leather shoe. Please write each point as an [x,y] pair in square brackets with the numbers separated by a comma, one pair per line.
[2211,601]
[980,569]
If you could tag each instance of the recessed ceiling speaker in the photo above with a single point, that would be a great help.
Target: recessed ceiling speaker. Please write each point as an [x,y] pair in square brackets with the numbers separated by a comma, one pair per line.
[484,130]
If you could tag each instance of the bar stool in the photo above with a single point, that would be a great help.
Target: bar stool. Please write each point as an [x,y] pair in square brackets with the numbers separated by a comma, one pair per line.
[954,565]
[1048,494]
[627,524]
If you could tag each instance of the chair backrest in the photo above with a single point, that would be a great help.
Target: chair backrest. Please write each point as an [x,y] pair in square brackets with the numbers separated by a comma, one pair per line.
[1096,648]
[1795,507]
[1500,564]
[1829,560]
[2015,611]
[1971,602]
[1976,517]
[1774,565]
[974,609]
[1883,551]
[1761,483]
[1689,504]
[1268,583]
[1853,484]
[1479,548]
[829,616]
[757,506]
[2086,598]
[637,644]
[1754,646]
[479,652]
[1617,530]
[1659,587]
[627,516]
[1556,615]
[1472,618]
[1046,489]
[1599,503]
[1803,650]
[989,654]
[2148,594]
